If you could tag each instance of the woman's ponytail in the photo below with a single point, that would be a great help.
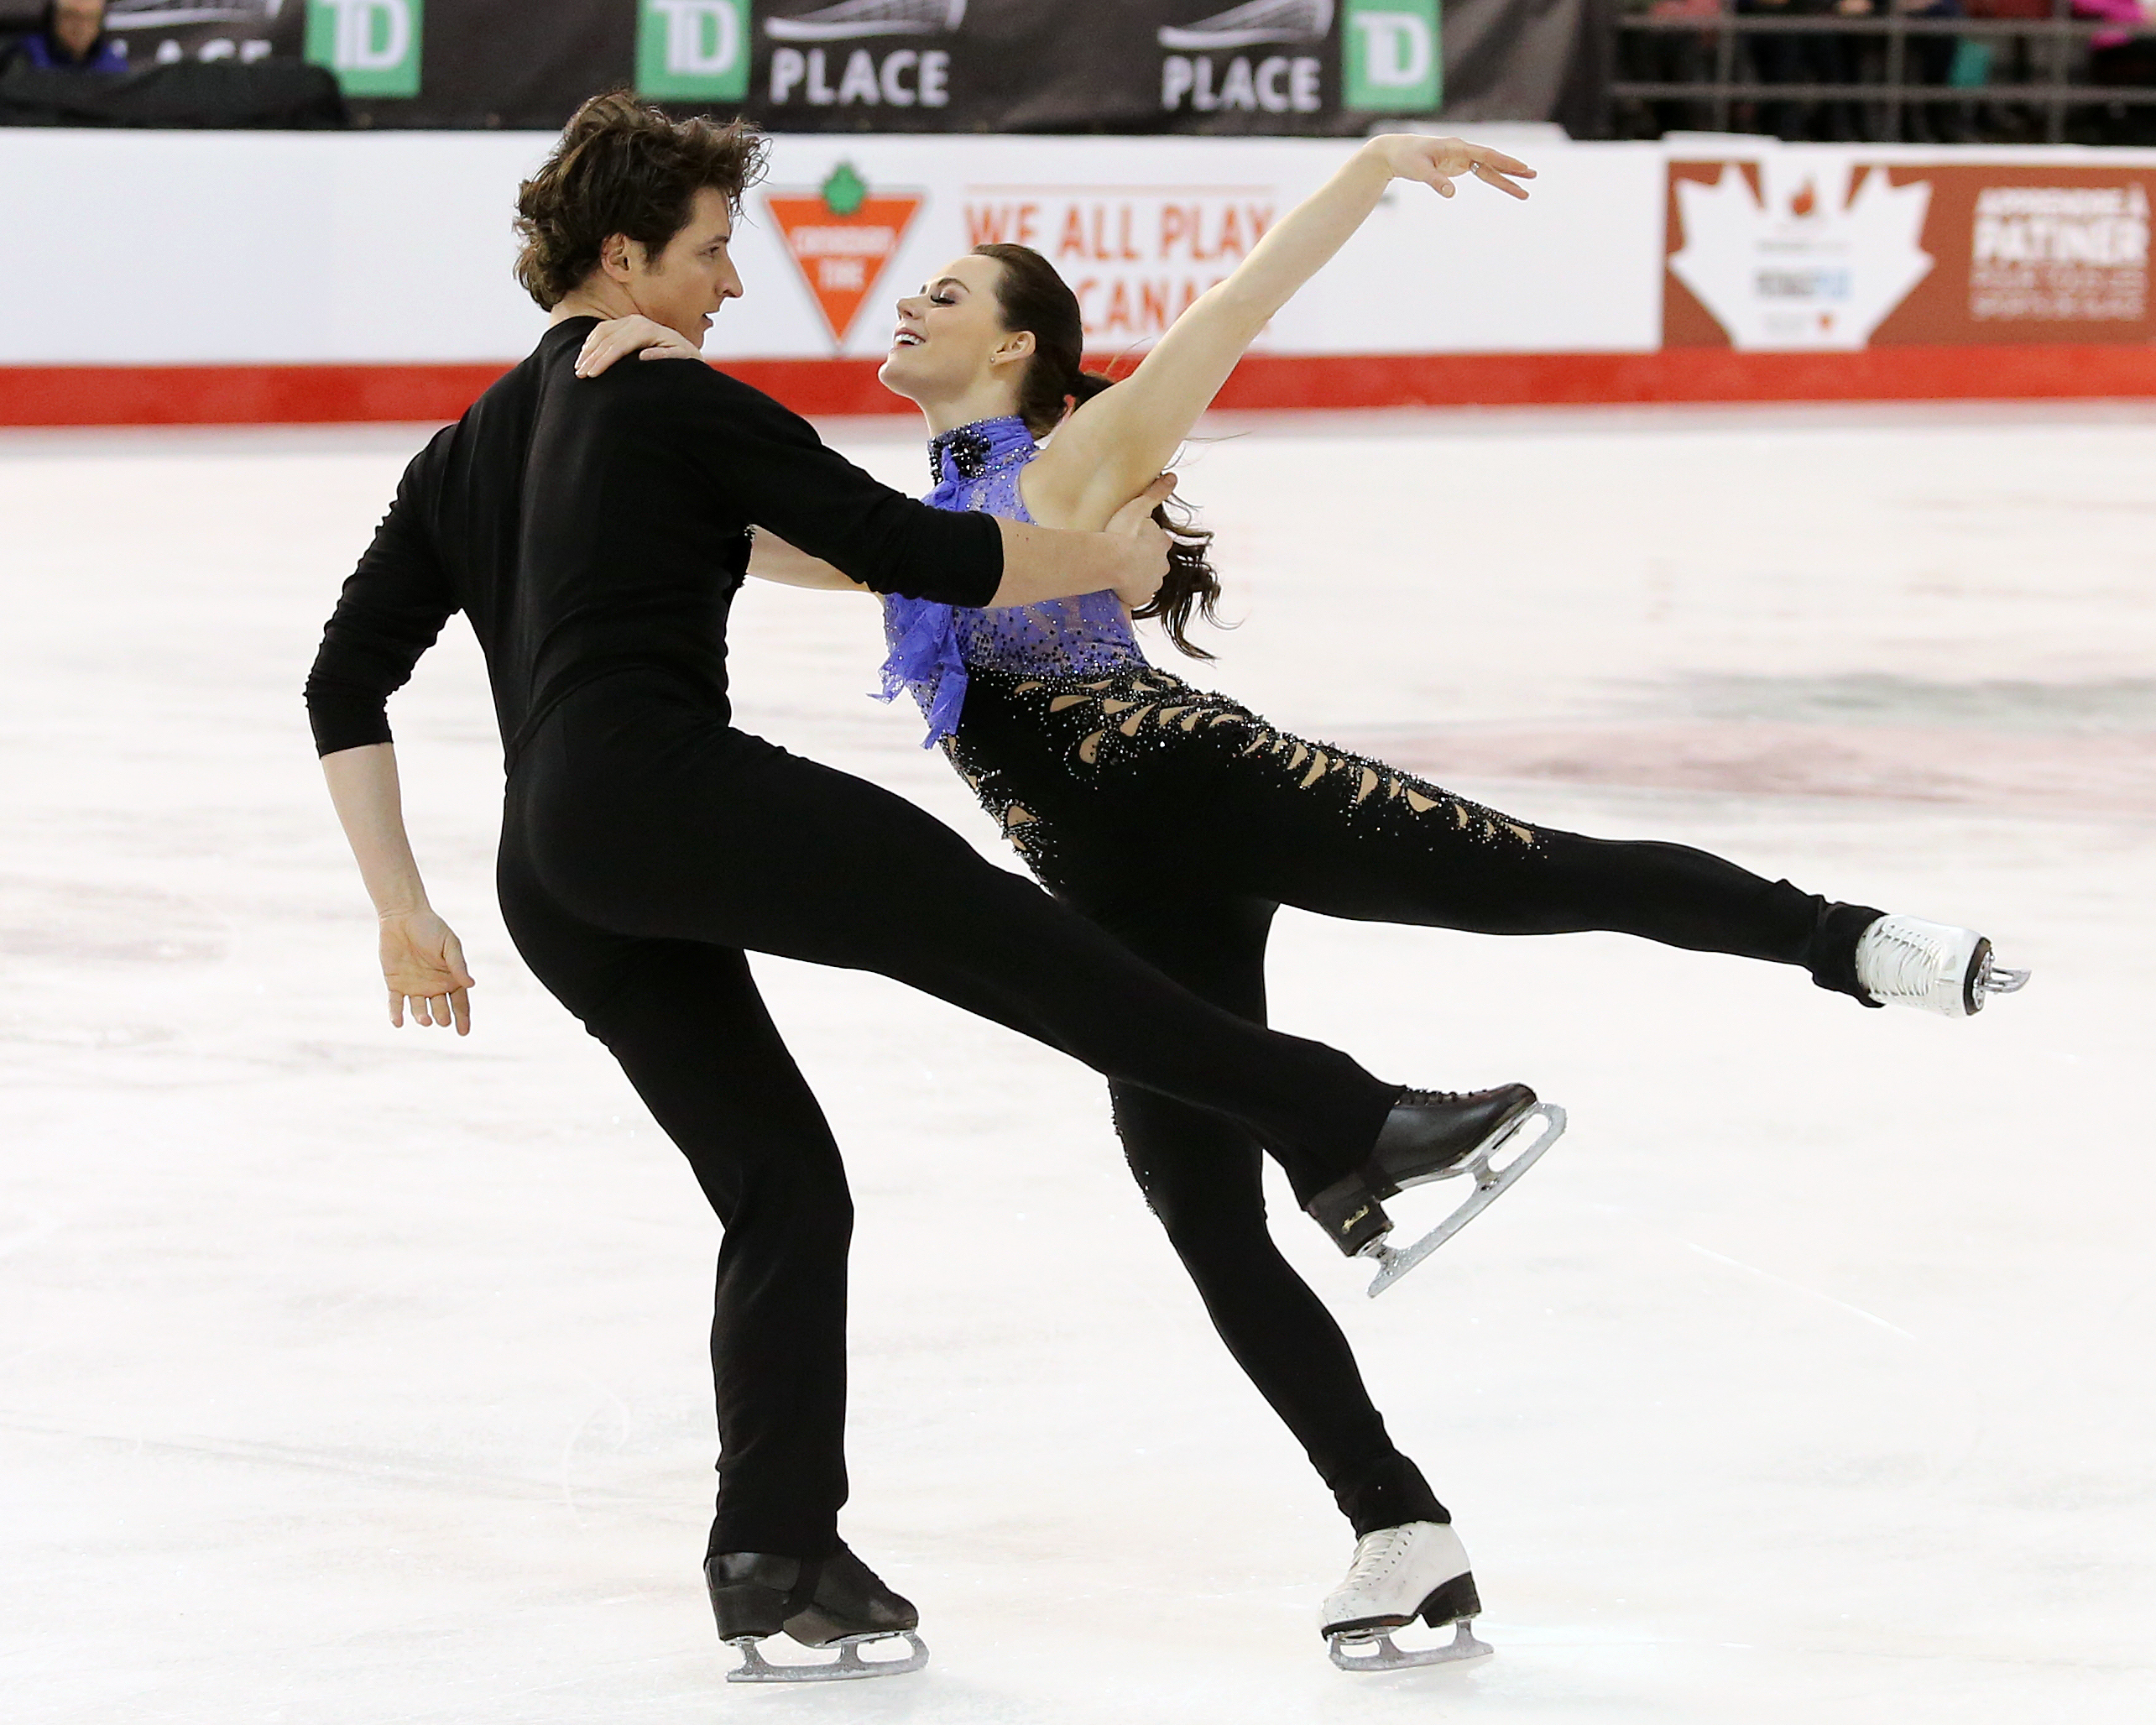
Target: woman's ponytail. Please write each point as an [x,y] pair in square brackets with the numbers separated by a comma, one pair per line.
[1032,297]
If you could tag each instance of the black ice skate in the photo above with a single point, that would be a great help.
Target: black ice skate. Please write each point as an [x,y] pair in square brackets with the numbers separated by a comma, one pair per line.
[1417,1570]
[1433,1135]
[837,1602]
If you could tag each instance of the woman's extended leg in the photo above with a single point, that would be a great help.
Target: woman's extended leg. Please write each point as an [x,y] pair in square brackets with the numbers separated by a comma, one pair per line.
[1146,759]
[1202,1176]
[1422,855]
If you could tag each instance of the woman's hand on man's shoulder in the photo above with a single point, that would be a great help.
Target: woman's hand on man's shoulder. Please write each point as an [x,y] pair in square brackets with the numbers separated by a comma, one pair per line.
[618,337]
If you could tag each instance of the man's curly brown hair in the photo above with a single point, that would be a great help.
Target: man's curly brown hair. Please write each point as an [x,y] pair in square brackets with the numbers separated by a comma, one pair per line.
[624,168]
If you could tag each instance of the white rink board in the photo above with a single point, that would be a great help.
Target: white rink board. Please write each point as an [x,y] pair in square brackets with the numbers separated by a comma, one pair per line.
[239,248]
[349,1377]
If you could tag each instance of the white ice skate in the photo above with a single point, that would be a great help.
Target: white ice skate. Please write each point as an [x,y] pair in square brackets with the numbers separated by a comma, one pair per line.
[1908,962]
[1417,1570]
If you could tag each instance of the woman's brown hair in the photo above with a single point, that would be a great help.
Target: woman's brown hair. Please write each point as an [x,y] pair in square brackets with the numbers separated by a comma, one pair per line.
[622,167]
[1032,296]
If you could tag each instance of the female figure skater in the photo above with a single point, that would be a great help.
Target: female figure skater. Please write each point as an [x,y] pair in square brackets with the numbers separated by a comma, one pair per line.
[1180,820]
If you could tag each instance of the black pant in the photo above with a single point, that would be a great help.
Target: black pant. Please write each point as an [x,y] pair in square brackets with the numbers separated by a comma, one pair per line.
[1180,821]
[646,845]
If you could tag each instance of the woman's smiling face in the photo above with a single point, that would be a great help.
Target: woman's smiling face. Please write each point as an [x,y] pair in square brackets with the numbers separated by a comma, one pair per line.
[950,335]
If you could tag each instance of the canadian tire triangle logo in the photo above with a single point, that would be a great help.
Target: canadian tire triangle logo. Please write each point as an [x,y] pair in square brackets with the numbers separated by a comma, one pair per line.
[840,236]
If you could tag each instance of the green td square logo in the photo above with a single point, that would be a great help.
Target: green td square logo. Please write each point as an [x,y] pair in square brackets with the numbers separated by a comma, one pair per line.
[371,45]
[692,50]
[1393,62]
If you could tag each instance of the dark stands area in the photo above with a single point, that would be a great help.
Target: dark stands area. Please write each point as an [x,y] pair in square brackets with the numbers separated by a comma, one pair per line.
[1876,71]
[76,63]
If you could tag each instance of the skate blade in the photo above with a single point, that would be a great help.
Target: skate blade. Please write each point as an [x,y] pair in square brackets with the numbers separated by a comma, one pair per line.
[1999,980]
[847,1668]
[1490,1183]
[1376,1650]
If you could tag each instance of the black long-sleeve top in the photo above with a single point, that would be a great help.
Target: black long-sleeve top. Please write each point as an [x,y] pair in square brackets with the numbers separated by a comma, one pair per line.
[590,524]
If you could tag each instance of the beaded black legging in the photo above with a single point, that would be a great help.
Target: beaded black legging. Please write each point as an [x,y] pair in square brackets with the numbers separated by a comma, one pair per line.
[1181,821]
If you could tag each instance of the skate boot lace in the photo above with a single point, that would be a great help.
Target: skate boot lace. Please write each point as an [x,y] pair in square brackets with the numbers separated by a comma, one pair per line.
[1903,959]
[1376,1556]
[1431,1098]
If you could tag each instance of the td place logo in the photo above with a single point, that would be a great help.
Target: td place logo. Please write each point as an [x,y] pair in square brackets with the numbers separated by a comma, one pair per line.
[805,72]
[1389,57]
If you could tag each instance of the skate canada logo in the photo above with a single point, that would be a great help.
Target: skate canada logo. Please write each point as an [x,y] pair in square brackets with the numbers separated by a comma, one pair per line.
[1816,256]
[840,236]
[904,76]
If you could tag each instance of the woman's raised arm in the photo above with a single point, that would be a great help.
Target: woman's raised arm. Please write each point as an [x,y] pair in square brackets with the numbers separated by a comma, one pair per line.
[1114,443]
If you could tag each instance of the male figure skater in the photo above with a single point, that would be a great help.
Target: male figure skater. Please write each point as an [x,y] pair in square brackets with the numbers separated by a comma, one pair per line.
[594,532]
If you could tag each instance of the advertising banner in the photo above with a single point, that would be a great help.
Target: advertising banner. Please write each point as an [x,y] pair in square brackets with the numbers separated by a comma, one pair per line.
[1634,272]
[158,32]
[1822,250]
[1258,67]
[374,47]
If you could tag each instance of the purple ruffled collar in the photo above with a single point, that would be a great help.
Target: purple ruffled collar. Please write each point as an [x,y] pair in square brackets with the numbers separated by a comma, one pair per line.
[975,451]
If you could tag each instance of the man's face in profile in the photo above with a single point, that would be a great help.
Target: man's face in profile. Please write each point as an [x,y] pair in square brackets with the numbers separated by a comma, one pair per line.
[684,285]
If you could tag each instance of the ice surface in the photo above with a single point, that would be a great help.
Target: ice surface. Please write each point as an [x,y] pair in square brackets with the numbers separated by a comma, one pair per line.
[351,1376]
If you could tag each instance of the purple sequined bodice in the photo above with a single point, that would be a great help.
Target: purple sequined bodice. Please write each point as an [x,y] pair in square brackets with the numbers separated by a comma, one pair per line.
[977,466]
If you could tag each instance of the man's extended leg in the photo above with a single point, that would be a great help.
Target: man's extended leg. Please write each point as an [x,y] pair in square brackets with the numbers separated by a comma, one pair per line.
[742,844]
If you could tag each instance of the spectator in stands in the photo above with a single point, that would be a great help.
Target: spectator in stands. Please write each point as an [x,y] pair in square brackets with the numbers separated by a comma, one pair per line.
[2122,60]
[1671,57]
[1811,57]
[1929,59]
[72,38]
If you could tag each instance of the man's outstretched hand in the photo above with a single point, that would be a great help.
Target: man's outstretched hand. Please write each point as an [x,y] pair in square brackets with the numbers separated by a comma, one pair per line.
[423,964]
[1150,541]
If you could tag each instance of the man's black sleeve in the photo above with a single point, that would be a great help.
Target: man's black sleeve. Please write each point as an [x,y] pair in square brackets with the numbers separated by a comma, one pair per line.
[775,470]
[391,611]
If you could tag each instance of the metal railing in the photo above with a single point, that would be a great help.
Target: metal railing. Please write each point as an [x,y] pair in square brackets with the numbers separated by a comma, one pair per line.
[2053,92]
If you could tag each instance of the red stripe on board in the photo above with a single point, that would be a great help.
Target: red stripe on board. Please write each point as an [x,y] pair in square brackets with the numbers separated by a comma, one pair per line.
[1267,381]
[271,394]
[236,395]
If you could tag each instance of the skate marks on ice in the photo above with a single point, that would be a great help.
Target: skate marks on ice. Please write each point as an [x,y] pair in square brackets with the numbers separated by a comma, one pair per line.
[77,921]
[1493,1178]
[2027,748]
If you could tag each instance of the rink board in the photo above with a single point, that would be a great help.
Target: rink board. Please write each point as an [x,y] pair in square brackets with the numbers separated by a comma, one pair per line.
[247,277]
